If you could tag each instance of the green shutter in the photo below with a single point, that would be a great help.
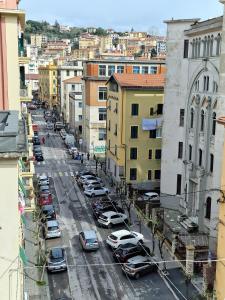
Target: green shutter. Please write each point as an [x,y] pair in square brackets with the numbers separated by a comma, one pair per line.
[23,219]
[22,186]
[22,165]
[23,256]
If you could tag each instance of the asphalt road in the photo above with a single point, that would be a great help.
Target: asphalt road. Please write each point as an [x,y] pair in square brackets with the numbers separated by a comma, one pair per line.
[91,275]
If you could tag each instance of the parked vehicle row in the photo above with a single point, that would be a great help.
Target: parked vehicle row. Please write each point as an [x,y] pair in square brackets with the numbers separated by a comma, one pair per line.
[37,151]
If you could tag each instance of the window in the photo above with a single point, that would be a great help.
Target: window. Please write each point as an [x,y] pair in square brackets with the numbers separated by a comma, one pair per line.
[134,109]
[190,152]
[208,208]
[111,70]
[152,134]
[181,117]
[109,144]
[200,157]
[102,70]
[206,83]
[196,85]
[115,132]
[215,87]
[151,111]
[136,69]
[109,125]
[149,174]
[75,73]
[116,108]
[67,73]
[115,170]
[157,174]
[116,150]
[218,44]
[134,132]
[180,150]
[214,124]
[102,114]
[80,117]
[133,174]
[73,87]
[179,180]
[192,118]
[211,162]
[145,70]
[158,154]
[211,46]
[159,109]
[102,135]
[202,120]
[102,93]
[150,154]
[153,70]
[80,104]
[133,153]
[120,69]
[186,46]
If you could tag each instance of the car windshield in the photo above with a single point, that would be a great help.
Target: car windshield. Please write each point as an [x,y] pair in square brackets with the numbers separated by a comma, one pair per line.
[113,237]
[132,266]
[103,217]
[53,228]
[90,241]
[57,254]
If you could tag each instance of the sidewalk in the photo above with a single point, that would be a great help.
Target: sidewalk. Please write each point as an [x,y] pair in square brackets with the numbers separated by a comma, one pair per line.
[32,275]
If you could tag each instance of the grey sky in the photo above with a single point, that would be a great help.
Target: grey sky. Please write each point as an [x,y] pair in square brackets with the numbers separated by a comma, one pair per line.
[119,14]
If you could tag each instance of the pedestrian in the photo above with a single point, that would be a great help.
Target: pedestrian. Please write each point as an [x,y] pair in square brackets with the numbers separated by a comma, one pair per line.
[94,157]
[43,140]
[82,158]
[88,156]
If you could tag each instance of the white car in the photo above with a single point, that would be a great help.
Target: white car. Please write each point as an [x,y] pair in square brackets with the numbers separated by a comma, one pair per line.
[110,218]
[72,150]
[96,191]
[90,183]
[86,178]
[43,180]
[51,229]
[120,237]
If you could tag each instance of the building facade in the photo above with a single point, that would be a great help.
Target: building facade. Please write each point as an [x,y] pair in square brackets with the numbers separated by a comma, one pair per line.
[191,167]
[96,74]
[134,120]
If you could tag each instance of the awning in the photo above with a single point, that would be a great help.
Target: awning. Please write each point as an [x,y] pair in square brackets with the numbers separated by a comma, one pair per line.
[22,186]
[151,124]
[21,165]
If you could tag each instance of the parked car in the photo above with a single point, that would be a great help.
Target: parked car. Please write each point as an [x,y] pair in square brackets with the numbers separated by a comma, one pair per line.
[50,126]
[48,213]
[152,198]
[111,218]
[45,199]
[85,172]
[39,157]
[96,191]
[59,126]
[69,140]
[63,133]
[43,180]
[89,240]
[51,229]
[31,106]
[44,188]
[56,261]
[126,251]
[72,150]
[138,266]
[83,178]
[92,182]
[36,141]
[117,238]
[104,207]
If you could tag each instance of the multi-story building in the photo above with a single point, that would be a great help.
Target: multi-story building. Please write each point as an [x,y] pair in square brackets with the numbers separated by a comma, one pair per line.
[161,48]
[192,143]
[96,74]
[85,54]
[67,70]
[37,40]
[134,121]
[48,85]
[57,48]
[88,41]
[106,43]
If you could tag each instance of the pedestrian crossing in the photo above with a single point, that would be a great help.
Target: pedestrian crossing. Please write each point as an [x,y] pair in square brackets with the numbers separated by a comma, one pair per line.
[58,162]
[56,174]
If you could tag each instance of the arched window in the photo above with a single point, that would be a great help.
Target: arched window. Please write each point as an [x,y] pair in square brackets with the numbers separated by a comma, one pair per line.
[211,162]
[192,118]
[200,157]
[218,44]
[211,46]
[214,123]
[208,208]
[202,120]
[208,46]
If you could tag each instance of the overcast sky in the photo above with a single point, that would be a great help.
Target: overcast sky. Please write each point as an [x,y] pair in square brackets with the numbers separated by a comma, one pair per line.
[146,15]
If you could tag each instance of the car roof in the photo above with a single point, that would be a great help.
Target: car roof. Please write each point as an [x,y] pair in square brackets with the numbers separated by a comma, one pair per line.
[89,234]
[151,194]
[127,246]
[109,213]
[52,223]
[121,232]
[138,259]
[43,177]
[57,251]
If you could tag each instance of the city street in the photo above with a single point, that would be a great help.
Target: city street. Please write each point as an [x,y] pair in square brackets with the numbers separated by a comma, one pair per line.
[90,275]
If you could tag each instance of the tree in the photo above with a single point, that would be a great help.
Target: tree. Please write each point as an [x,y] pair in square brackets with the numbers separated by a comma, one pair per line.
[100,31]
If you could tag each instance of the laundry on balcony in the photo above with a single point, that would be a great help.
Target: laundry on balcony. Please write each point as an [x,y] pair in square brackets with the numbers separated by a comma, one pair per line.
[151,124]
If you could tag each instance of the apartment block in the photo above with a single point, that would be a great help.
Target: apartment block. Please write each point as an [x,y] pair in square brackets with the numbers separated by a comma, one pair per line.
[96,74]
[134,126]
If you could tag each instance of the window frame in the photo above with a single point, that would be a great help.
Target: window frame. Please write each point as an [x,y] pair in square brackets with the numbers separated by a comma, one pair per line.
[134,126]
[104,93]
[135,174]
[134,112]
[102,113]
[133,153]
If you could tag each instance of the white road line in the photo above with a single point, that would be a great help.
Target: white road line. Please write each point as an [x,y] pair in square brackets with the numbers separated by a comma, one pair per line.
[43,162]
[60,174]
[71,173]
[66,174]
[49,174]
[55,174]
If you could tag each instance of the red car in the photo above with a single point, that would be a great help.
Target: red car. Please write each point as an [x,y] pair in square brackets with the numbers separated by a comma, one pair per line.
[45,199]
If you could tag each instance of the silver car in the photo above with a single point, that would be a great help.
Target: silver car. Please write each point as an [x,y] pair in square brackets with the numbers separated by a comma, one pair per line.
[56,261]
[51,229]
[89,240]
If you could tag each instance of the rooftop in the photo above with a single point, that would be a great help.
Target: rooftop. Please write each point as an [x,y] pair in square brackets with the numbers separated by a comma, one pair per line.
[139,80]
[76,79]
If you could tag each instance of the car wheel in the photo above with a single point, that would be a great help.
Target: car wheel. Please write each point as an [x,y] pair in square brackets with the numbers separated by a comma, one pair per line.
[137,276]
[141,242]
[92,195]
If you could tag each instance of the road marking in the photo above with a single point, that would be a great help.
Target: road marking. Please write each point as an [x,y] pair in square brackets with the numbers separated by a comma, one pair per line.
[38,163]
[66,174]
[60,174]
[43,163]
[71,173]
[55,174]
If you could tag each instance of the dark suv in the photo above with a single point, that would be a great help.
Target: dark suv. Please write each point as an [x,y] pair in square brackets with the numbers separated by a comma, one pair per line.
[101,208]
[47,213]
[126,251]
[138,266]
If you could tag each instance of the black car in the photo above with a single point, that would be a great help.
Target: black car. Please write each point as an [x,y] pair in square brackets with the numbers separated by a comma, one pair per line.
[98,210]
[36,141]
[39,157]
[126,251]
[48,213]
[56,260]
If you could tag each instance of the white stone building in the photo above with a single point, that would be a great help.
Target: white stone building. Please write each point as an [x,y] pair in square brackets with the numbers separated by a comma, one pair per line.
[192,143]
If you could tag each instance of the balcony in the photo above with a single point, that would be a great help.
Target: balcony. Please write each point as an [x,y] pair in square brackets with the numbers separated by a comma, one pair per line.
[25,94]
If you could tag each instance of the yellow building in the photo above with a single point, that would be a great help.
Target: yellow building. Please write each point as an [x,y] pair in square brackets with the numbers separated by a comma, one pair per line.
[220,267]
[134,115]
[88,41]
[48,84]
[37,40]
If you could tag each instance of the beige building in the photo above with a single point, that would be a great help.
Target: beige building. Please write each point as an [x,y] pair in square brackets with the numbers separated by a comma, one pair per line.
[88,41]
[106,43]
[37,40]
